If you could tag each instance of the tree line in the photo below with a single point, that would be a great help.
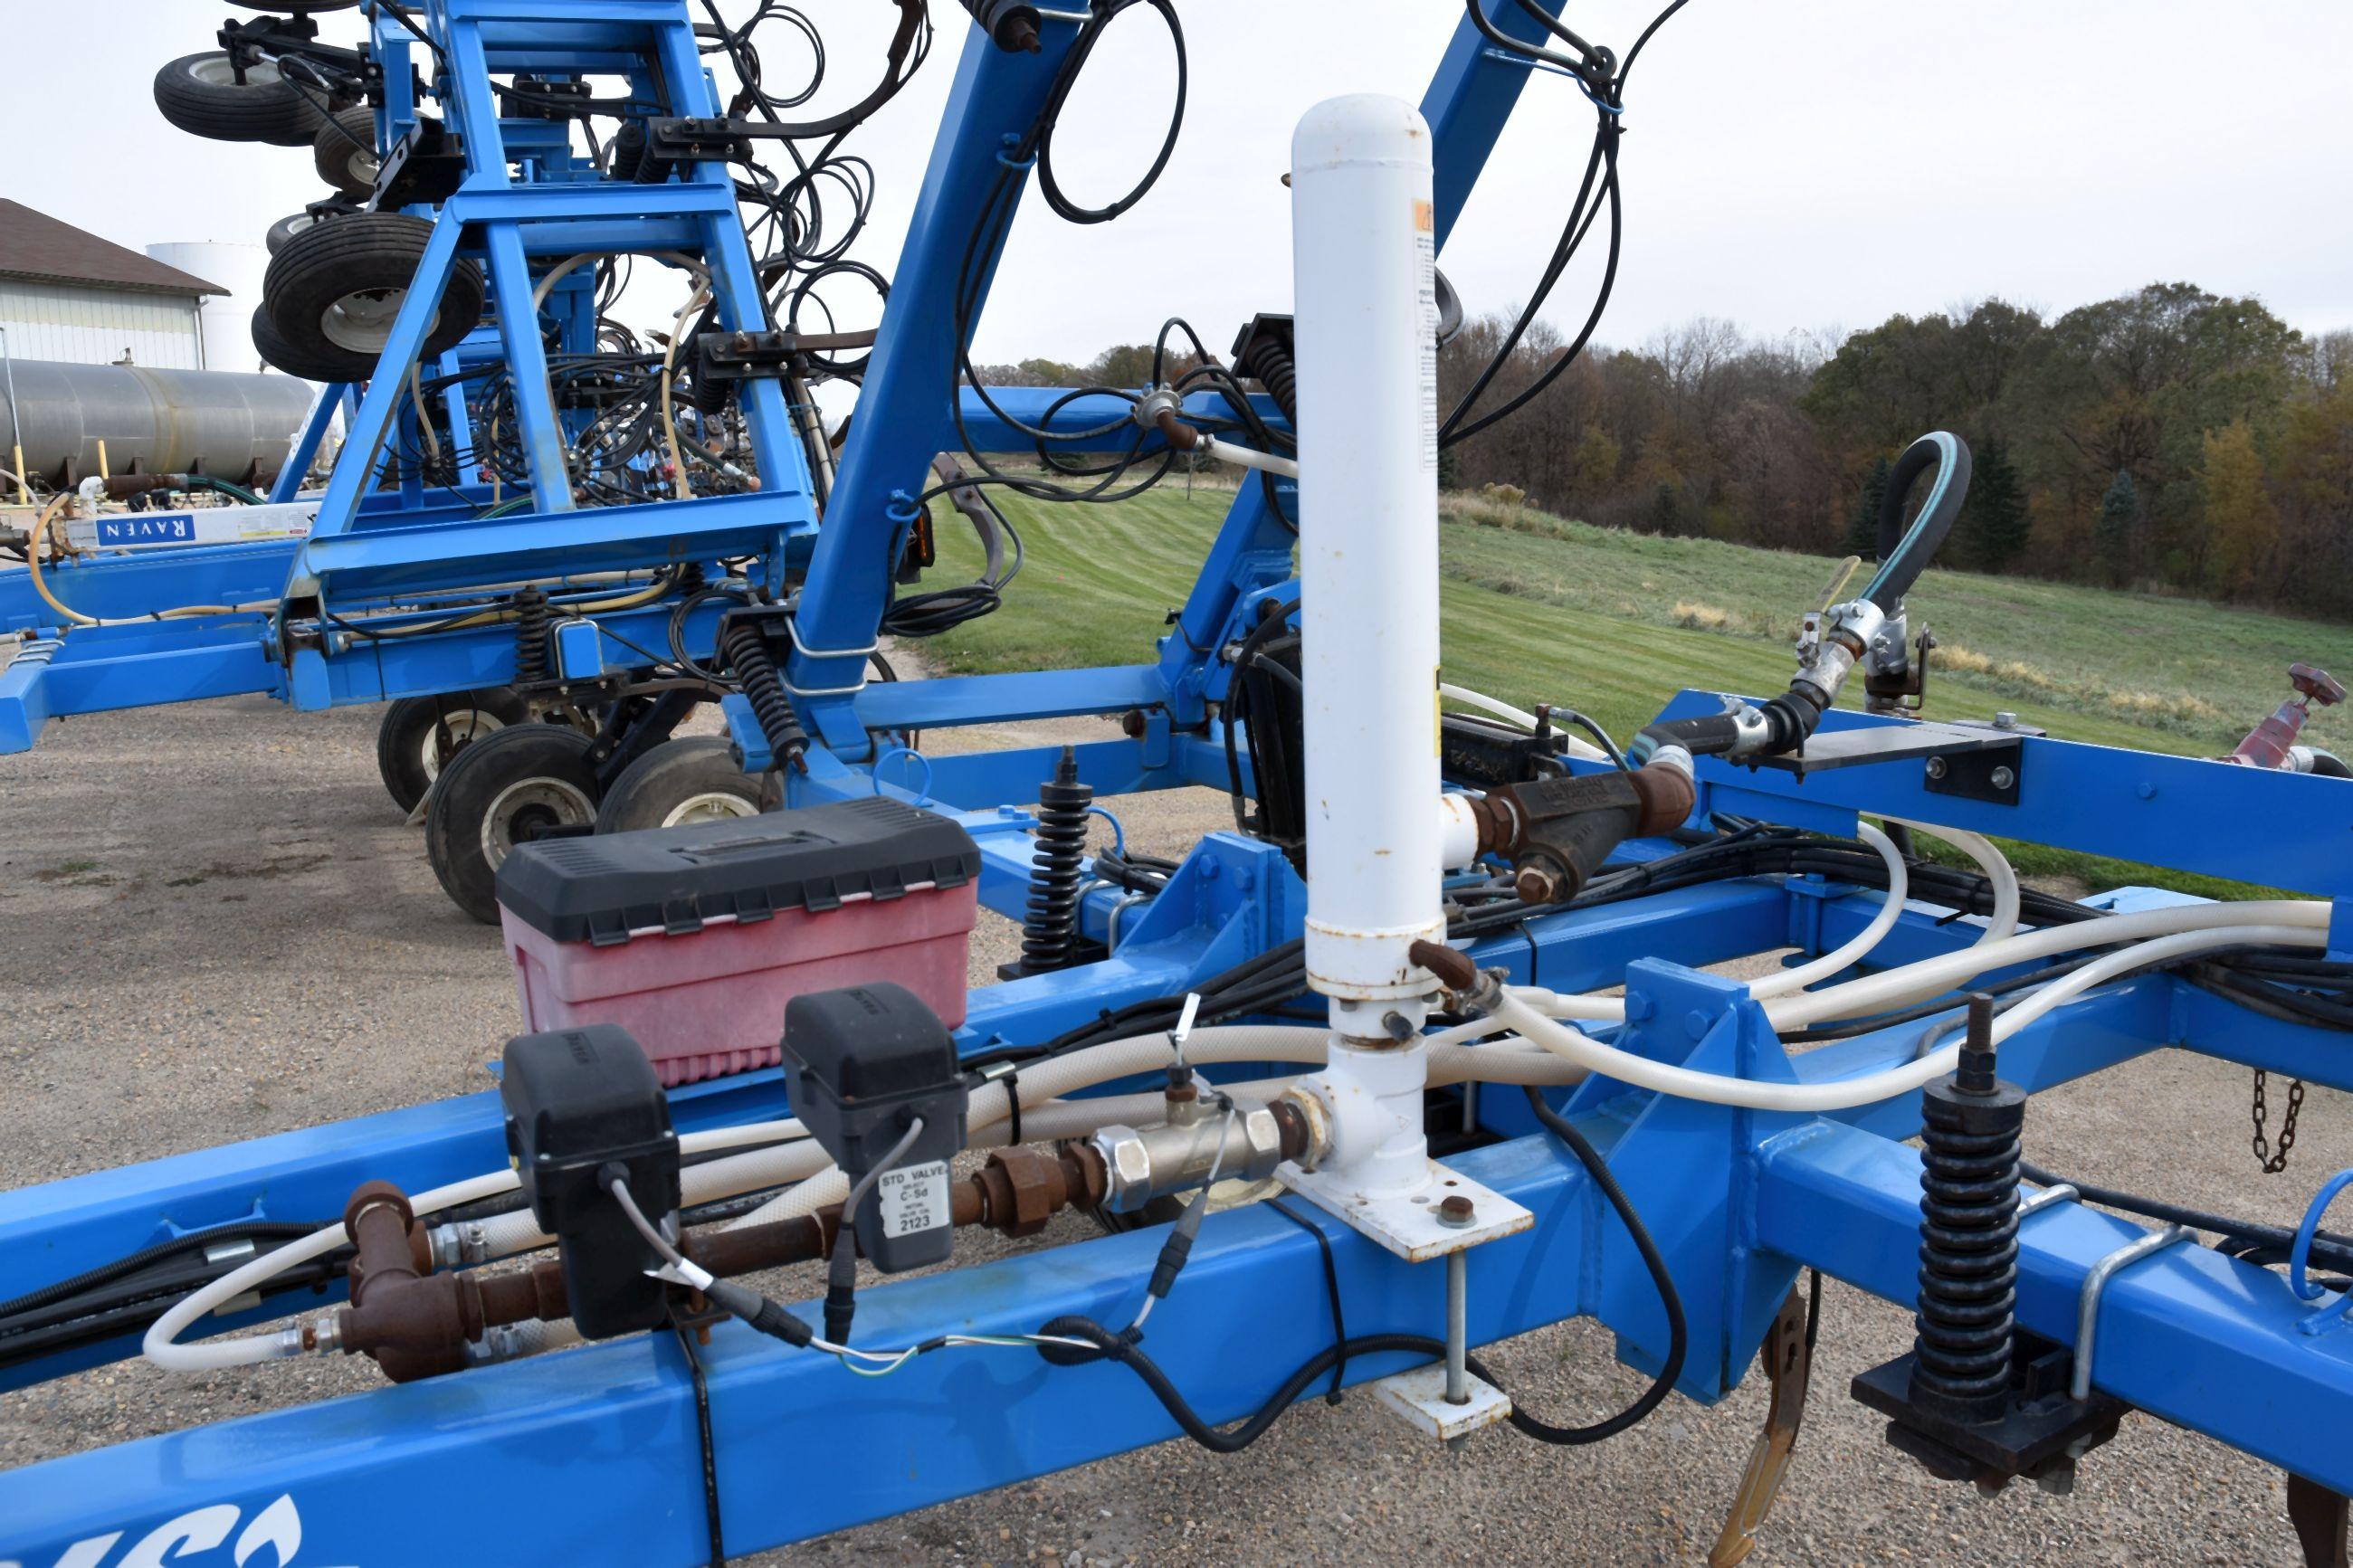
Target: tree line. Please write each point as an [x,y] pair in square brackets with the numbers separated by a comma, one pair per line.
[2170,438]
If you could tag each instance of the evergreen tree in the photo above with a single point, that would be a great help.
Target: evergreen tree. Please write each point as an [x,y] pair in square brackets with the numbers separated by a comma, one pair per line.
[1996,516]
[1862,523]
[2116,534]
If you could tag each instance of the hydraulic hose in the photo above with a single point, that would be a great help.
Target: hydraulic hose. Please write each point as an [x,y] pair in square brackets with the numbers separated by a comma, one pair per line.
[1784,724]
[1612,1009]
[1997,868]
[237,493]
[1901,567]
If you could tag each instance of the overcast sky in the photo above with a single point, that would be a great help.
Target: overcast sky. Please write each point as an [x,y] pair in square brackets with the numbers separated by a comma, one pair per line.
[1790,166]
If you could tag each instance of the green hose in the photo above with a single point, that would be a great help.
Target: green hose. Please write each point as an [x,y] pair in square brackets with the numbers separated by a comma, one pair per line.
[235,493]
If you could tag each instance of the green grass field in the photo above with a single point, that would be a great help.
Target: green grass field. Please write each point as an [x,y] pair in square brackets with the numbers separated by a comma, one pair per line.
[1538,609]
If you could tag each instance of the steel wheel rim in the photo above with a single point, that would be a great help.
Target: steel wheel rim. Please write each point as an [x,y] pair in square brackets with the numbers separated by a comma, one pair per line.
[362,319]
[462,726]
[526,806]
[711,805]
[214,70]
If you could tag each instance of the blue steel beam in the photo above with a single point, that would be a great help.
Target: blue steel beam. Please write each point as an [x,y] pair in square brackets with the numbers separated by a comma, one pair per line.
[291,473]
[2190,1336]
[144,582]
[83,676]
[902,408]
[1037,407]
[25,694]
[2194,1337]
[994,699]
[522,1464]
[2134,806]
[443,556]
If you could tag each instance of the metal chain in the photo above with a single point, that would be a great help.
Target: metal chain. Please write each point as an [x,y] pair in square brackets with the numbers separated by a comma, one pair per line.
[2273,1163]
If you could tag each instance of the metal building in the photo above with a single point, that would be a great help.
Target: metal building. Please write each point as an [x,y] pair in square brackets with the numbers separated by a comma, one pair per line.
[67,295]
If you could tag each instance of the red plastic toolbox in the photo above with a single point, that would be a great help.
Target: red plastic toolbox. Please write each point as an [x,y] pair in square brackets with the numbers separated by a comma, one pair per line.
[694,938]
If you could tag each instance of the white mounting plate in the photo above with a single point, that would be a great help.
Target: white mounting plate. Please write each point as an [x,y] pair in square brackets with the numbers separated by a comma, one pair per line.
[1420,1396]
[1408,1225]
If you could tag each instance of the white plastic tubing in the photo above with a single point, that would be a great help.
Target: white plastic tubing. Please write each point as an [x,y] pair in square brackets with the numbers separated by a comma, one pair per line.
[2156,934]
[801,1160]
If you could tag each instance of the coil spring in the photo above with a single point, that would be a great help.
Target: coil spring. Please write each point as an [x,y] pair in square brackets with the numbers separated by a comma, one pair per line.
[755,674]
[1052,926]
[628,151]
[1271,363]
[531,634]
[1969,1256]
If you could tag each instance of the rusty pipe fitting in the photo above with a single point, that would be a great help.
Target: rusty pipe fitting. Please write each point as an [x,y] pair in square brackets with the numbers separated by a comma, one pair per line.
[415,1323]
[1020,1189]
[1175,431]
[1557,832]
[412,1324]
[1451,965]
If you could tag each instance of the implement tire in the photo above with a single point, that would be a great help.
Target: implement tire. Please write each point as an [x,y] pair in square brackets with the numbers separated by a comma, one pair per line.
[200,94]
[334,290]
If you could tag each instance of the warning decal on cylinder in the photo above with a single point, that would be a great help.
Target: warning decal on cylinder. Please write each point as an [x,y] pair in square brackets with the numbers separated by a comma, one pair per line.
[1425,286]
[912,1198]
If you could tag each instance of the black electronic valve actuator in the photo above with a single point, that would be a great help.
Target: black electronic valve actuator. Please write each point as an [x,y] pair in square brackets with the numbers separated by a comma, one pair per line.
[584,1106]
[865,1062]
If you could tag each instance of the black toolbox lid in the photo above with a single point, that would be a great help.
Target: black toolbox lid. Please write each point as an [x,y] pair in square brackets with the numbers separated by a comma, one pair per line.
[599,889]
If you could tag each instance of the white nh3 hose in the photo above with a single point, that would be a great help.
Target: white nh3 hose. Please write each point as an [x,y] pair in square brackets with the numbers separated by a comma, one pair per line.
[1899,887]
[2299,925]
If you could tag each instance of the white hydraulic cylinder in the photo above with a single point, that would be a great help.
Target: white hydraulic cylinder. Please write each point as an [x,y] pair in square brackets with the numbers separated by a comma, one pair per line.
[1365,321]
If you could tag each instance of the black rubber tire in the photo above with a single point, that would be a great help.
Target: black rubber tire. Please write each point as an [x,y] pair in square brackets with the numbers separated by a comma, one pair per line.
[344,152]
[201,95]
[501,791]
[280,354]
[695,774]
[366,257]
[286,228]
[460,718]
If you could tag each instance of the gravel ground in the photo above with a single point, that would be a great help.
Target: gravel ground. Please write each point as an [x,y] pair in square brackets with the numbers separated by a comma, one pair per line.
[221,928]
